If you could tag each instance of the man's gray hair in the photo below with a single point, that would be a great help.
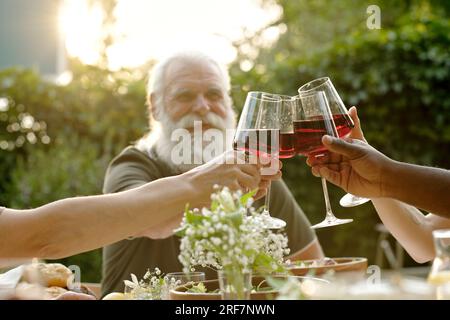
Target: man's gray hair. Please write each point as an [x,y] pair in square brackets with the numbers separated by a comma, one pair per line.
[156,83]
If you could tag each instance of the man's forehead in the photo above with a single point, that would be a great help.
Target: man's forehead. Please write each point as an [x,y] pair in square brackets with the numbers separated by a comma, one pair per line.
[183,73]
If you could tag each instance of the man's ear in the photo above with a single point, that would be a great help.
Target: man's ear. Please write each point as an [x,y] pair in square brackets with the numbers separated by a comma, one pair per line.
[152,107]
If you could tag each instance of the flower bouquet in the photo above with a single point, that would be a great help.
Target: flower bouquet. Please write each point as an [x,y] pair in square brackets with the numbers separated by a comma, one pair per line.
[231,237]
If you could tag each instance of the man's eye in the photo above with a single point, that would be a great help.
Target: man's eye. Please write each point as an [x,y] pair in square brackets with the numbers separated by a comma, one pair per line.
[185,97]
[214,95]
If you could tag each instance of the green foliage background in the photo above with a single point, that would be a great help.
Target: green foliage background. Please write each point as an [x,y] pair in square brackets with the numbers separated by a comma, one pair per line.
[397,76]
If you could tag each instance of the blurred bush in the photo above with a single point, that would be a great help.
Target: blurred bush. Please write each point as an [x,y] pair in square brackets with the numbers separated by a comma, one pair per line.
[56,141]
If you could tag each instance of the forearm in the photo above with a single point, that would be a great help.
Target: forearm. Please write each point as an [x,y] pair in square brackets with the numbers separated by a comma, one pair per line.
[423,187]
[75,225]
[408,225]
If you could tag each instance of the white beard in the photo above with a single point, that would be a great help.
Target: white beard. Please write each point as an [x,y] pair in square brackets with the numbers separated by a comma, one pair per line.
[160,138]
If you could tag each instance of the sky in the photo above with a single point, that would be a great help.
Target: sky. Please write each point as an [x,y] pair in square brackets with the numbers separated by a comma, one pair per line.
[149,29]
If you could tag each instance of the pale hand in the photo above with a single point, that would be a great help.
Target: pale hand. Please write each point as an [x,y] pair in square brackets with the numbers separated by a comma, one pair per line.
[227,170]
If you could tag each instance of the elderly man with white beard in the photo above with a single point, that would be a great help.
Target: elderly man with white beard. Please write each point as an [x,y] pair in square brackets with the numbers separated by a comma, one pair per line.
[183,89]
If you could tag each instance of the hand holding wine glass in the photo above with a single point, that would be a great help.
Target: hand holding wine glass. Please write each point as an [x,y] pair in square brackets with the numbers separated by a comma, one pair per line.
[313,120]
[352,164]
[258,134]
[343,122]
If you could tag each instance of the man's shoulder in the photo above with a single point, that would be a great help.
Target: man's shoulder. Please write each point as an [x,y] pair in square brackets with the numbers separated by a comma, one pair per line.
[132,152]
[133,156]
[130,168]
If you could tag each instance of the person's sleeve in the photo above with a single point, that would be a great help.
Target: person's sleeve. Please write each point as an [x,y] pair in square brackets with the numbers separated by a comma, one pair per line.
[127,171]
[284,206]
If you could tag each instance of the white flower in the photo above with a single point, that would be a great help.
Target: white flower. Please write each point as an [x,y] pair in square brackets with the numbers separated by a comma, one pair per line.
[217,240]
[227,200]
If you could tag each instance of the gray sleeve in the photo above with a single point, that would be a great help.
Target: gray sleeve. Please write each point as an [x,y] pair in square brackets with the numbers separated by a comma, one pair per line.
[127,171]
[284,206]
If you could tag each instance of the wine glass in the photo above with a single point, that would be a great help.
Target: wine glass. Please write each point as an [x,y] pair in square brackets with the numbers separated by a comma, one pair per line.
[313,120]
[343,121]
[258,134]
[286,124]
[440,270]
[183,277]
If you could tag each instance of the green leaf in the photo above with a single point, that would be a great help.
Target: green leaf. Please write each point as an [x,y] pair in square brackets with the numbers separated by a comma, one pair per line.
[248,195]
[197,288]
[193,218]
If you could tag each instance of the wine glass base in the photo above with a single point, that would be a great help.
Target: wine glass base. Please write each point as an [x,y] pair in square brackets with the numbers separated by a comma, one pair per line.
[350,200]
[275,223]
[331,222]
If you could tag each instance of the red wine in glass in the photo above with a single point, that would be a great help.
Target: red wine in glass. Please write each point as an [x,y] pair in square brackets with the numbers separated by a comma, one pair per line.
[259,142]
[287,145]
[309,133]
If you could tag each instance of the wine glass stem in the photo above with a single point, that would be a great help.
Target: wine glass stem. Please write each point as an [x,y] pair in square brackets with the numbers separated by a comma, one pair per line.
[267,199]
[330,214]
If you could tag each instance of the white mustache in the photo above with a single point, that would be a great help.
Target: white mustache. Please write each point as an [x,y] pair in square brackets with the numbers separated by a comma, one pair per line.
[211,119]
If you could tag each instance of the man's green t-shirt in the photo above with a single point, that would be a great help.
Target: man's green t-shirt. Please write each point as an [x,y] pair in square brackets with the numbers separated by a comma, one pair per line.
[133,168]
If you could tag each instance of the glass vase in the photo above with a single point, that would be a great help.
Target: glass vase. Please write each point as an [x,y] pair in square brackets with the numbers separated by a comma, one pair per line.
[235,284]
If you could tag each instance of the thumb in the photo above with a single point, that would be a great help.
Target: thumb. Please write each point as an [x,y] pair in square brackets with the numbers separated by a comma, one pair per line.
[357,132]
[350,149]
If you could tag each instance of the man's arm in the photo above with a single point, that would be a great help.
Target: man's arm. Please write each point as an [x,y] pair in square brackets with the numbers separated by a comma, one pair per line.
[423,187]
[362,170]
[75,225]
[358,168]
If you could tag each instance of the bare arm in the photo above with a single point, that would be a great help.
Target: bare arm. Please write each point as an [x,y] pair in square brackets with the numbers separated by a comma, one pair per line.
[426,188]
[410,227]
[360,169]
[75,225]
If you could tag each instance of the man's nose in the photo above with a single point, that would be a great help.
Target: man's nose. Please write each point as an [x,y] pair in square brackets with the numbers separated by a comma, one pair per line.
[201,106]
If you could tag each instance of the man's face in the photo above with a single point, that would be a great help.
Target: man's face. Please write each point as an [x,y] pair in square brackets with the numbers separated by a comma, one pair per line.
[194,89]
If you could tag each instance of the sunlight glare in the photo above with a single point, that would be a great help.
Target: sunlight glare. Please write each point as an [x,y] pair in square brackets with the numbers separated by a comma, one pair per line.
[82,28]
[149,29]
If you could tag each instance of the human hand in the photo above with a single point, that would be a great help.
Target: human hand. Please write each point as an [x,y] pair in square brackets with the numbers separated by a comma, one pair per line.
[232,169]
[352,164]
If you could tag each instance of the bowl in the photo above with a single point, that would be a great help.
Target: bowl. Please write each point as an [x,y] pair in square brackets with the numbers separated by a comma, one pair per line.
[343,264]
[181,292]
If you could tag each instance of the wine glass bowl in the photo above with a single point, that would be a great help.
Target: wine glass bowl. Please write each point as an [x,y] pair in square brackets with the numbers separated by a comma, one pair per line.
[314,120]
[258,134]
[343,121]
[286,116]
